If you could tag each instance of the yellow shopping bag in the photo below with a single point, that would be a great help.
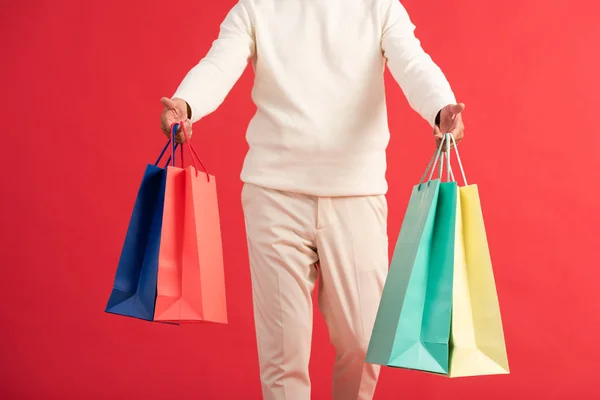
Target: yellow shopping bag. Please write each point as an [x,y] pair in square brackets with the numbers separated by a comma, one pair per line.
[477,337]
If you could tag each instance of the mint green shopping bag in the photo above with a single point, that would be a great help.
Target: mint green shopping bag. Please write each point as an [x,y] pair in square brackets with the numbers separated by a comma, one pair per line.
[412,327]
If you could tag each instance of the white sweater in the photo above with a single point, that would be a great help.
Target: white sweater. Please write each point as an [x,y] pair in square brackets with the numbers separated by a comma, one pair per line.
[321,122]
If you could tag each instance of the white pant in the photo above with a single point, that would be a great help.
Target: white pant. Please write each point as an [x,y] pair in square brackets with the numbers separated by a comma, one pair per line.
[288,236]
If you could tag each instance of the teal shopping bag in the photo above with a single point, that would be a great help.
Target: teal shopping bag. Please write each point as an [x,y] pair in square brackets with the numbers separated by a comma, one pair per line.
[412,327]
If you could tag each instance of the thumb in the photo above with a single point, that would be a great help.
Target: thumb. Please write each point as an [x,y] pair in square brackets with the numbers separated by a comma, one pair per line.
[168,103]
[456,108]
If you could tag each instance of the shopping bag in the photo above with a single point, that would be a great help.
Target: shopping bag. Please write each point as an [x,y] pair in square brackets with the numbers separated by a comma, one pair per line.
[412,326]
[134,288]
[477,338]
[191,281]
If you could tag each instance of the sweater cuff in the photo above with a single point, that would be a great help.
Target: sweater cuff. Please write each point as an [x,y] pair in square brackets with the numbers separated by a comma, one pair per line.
[435,106]
[192,112]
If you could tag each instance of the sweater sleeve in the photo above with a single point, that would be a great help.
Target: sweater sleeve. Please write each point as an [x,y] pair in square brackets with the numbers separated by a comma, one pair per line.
[207,84]
[421,80]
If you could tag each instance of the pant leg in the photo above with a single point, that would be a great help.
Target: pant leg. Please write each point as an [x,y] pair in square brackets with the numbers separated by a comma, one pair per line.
[353,251]
[281,242]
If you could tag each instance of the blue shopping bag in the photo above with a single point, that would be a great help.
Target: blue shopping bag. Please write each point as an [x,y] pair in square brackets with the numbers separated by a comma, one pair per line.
[412,327]
[134,288]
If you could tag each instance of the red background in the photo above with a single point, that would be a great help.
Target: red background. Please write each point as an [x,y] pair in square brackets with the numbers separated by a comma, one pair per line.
[81,86]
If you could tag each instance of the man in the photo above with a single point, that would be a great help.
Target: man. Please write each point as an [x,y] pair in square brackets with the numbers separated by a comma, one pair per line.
[314,193]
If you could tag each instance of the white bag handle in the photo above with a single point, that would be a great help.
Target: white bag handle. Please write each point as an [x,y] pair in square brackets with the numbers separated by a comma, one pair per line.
[433,162]
[462,171]
[441,156]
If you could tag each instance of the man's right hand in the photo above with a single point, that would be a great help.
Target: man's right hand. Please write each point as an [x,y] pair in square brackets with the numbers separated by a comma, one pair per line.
[176,110]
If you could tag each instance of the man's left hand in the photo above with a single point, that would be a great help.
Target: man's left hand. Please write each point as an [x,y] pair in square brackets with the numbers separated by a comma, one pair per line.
[450,122]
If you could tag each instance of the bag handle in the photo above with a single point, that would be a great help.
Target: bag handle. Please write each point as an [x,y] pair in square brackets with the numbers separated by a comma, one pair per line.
[162,153]
[173,144]
[450,172]
[441,156]
[434,161]
[195,158]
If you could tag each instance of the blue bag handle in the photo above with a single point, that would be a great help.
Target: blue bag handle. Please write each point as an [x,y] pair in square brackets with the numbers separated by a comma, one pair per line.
[171,158]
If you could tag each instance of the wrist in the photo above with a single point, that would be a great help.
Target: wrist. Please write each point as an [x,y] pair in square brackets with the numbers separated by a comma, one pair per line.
[189,110]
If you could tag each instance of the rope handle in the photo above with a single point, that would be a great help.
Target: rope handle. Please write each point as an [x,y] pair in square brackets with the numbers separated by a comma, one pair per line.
[162,153]
[195,157]
[462,171]
[441,156]
[433,162]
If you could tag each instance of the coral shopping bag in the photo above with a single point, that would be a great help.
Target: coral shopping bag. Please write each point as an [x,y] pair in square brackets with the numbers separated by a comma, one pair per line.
[412,326]
[134,288]
[191,281]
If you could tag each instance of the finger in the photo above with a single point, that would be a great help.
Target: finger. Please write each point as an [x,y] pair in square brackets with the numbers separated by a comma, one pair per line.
[165,126]
[168,103]
[452,117]
[182,136]
[456,142]
[187,124]
[439,136]
[448,145]
[179,138]
[458,133]
[458,108]
[177,133]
